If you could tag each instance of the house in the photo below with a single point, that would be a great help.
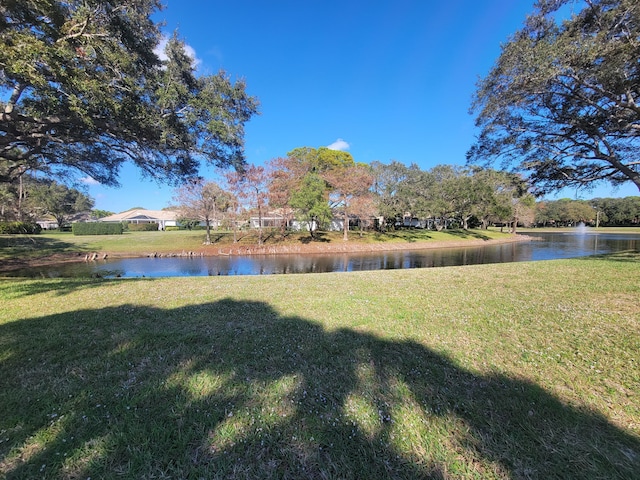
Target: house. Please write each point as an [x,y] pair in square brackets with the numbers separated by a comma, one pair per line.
[164,218]
[273,219]
[50,223]
[47,224]
[279,218]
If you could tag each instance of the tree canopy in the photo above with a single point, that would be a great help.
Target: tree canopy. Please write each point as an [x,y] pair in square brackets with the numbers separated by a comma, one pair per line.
[58,200]
[83,90]
[564,212]
[310,199]
[321,159]
[350,186]
[560,102]
[203,201]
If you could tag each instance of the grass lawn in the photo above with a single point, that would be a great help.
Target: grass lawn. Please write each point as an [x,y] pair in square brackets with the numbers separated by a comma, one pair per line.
[522,370]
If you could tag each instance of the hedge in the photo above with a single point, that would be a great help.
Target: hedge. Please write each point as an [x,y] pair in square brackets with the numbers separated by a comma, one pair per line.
[19,227]
[97,228]
[142,227]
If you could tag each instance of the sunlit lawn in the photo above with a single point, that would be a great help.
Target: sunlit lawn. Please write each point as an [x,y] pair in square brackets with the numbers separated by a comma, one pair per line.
[524,370]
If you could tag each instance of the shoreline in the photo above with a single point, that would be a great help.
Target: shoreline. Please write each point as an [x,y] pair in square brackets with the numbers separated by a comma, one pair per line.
[246,250]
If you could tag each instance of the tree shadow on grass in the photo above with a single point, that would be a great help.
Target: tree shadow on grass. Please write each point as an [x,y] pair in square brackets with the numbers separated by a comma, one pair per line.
[318,237]
[627,256]
[476,234]
[34,242]
[17,251]
[410,235]
[234,390]
[11,288]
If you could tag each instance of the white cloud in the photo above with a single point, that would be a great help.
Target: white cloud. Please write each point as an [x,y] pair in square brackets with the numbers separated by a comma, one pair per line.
[89,181]
[188,49]
[159,50]
[339,144]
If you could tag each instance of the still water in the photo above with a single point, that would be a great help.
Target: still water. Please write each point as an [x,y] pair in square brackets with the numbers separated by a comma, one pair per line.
[548,246]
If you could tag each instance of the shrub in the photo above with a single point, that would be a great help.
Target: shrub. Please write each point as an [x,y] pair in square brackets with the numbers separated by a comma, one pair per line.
[97,228]
[19,227]
[142,227]
[171,228]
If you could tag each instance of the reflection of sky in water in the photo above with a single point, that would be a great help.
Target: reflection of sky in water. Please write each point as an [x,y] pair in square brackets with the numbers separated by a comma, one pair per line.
[552,246]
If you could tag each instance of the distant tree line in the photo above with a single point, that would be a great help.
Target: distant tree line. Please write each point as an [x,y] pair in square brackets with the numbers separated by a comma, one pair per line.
[316,186]
[449,195]
[596,212]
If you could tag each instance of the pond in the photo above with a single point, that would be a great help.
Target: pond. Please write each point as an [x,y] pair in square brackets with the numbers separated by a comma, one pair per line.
[549,246]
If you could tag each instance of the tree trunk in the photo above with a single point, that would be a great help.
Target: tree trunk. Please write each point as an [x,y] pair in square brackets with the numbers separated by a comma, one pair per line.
[207,239]
[20,194]
[345,226]
[259,225]
[311,224]
[60,220]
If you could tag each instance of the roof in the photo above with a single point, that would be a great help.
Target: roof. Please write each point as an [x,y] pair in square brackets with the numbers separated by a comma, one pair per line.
[141,214]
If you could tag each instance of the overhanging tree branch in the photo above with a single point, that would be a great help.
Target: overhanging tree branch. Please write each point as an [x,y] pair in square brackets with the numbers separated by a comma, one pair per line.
[560,101]
[79,75]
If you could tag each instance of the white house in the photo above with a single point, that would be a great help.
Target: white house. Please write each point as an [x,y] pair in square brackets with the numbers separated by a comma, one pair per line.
[164,218]
[277,218]
[47,224]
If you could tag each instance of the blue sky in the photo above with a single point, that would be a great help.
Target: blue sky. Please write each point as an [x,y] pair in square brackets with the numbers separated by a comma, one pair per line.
[385,80]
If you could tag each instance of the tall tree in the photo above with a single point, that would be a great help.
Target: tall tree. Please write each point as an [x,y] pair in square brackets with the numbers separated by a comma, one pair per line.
[83,91]
[417,190]
[58,200]
[564,212]
[286,177]
[462,192]
[311,201]
[617,211]
[442,195]
[503,187]
[99,213]
[252,186]
[389,187]
[561,101]
[364,208]
[524,211]
[203,201]
[347,185]
[321,159]
[511,202]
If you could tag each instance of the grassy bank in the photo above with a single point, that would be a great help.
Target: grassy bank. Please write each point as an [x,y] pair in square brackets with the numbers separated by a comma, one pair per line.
[524,370]
[56,245]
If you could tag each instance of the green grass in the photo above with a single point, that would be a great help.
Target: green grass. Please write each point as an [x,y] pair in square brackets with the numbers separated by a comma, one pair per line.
[523,370]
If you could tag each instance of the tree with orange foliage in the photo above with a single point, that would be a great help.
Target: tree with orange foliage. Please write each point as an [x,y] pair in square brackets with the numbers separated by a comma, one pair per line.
[349,186]
[252,186]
